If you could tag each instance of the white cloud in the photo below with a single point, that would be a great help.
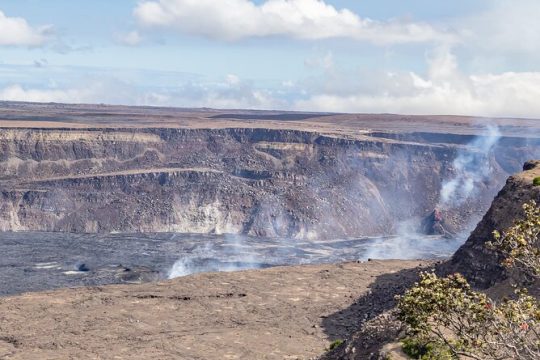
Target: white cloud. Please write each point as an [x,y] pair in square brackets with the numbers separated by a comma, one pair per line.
[288,84]
[132,38]
[77,95]
[90,91]
[444,90]
[16,92]
[232,79]
[17,31]
[507,27]
[230,92]
[301,19]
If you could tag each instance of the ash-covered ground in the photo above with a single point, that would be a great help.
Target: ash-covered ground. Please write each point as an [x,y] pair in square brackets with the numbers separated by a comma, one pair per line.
[44,261]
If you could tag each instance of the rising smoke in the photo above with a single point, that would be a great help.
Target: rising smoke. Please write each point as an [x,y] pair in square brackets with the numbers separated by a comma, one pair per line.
[410,244]
[472,167]
[237,252]
[229,253]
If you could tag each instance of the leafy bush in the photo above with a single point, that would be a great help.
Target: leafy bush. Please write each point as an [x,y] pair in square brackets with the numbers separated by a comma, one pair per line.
[536,181]
[431,351]
[520,244]
[465,323]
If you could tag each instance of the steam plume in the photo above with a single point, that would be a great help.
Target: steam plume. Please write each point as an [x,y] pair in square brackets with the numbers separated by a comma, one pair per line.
[471,168]
[235,255]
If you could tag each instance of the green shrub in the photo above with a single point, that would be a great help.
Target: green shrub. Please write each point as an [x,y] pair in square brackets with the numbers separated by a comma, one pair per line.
[520,244]
[536,181]
[421,351]
[446,319]
[335,344]
[457,322]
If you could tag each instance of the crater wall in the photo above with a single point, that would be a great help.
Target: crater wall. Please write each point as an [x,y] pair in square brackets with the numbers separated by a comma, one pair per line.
[256,181]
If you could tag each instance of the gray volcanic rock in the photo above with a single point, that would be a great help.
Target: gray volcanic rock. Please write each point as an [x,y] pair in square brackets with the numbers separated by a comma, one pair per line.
[253,181]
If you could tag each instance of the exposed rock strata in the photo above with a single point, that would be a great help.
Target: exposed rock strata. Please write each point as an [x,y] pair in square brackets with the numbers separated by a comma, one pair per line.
[253,181]
[119,169]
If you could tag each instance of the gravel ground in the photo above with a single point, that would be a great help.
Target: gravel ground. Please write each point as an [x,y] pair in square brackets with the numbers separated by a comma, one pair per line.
[277,313]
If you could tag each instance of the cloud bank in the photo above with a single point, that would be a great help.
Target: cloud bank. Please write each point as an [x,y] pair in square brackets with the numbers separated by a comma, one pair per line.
[510,28]
[300,19]
[16,31]
[443,90]
[230,92]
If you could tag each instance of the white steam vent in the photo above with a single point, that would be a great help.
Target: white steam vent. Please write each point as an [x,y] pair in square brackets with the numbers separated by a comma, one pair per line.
[471,169]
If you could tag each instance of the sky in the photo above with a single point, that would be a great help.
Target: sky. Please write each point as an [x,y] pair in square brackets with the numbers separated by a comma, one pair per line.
[460,57]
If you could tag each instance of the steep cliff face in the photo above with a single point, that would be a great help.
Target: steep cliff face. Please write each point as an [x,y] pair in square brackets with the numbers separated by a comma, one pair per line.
[263,182]
[480,265]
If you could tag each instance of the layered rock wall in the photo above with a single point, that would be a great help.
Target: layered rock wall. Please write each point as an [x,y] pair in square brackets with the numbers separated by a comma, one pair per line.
[263,182]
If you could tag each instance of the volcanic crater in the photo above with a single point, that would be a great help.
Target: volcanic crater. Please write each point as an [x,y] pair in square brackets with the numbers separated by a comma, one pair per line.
[93,195]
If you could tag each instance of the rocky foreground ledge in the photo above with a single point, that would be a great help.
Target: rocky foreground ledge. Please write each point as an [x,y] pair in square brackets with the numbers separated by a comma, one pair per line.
[378,338]
[277,313]
[480,265]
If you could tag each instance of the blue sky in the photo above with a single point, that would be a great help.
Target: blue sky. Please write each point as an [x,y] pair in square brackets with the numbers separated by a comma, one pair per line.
[474,57]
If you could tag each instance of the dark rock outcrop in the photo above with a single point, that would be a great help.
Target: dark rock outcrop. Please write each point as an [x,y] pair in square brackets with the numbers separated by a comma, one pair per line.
[480,265]
[436,224]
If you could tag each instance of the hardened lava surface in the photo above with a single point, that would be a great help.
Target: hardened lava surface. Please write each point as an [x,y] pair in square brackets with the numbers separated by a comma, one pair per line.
[45,261]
